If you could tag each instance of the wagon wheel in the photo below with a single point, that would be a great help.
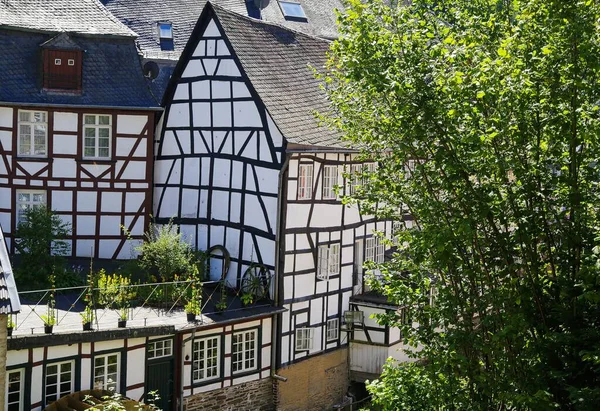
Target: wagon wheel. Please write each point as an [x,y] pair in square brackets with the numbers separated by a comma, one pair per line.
[255,281]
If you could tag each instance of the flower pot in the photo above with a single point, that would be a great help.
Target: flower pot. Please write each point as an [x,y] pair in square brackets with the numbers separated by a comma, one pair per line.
[191,317]
[48,328]
[87,326]
[122,323]
[9,331]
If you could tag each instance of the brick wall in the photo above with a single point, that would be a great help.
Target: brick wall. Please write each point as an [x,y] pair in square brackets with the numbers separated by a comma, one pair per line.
[251,396]
[3,337]
[314,384]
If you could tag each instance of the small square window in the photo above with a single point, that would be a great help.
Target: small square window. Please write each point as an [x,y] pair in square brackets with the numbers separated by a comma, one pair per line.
[57,62]
[304,339]
[165,30]
[292,10]
[71,62]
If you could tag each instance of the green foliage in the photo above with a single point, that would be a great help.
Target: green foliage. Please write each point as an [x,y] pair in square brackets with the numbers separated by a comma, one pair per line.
[483,118]
[40,248]
[114,290]
[193,304]
[10,323]
[164,252]
[247,298]
[87,315]
[117,402]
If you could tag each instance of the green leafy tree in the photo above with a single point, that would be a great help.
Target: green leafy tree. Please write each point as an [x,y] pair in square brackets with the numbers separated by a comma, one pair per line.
[38,241]
[483,117]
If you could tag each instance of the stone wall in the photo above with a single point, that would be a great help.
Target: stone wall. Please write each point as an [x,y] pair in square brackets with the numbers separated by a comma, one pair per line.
[314,384]
[251,396]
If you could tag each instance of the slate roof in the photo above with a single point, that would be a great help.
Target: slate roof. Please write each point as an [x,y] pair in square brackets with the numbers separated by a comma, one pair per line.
[112,72]
[277,61]
[79,16]
[321,18]
[142,17]
[9,298]
[61,41]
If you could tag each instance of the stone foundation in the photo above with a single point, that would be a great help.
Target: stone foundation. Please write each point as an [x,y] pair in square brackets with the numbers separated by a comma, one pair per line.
[251,396]
[314,384]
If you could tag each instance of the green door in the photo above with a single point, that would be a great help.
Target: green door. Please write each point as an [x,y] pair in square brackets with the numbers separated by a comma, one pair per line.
[160,373]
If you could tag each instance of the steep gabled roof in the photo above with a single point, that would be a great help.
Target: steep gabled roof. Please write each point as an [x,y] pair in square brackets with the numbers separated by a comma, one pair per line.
[278,63]
[112,72]
[9,298]
[76,16]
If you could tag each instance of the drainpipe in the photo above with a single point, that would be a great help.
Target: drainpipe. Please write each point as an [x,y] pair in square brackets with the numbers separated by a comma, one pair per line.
[280,227]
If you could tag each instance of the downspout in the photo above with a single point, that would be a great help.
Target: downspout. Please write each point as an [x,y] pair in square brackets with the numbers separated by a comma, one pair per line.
[281,198]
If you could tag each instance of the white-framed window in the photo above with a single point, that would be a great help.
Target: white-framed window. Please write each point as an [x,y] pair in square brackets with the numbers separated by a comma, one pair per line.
[96,135]
[59,380]
[374,250]
[106,372]
[71,62]
[206,354]
[165,30]
[27,199]
[33,133]
[356,177]
[160,348]
[305,181]
[304,339]
[333,329]
[57,62]
[15,381]
[330,180]
[328,260]
[243,351]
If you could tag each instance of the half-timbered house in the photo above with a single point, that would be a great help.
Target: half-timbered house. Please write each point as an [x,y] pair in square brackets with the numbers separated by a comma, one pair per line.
[76,123]
[242,162]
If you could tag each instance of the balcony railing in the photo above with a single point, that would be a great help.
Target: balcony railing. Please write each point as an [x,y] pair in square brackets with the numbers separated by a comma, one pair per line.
[145,305]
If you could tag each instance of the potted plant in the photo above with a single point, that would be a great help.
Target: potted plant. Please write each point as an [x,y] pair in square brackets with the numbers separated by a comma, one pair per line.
[10,326]
[87,316]
[222,304]
[247,298]
[49,320]
[192,309]
[123,315]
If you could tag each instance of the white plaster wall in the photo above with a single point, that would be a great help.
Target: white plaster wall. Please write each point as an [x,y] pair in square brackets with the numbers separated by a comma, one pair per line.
[131,124]
[6,117]
[64,121]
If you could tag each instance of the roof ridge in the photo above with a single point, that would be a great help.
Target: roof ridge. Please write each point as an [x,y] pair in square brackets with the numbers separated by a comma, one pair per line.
[267,23]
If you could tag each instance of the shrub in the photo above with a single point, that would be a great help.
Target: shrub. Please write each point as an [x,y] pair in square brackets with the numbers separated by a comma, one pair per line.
[38,242]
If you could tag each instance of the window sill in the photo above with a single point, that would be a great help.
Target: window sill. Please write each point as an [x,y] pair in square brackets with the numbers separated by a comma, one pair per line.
[96,161]
[33,158]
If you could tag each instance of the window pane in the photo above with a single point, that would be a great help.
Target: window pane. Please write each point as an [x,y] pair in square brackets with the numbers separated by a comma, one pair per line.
[90,132]
[103,132]
[104,120]
[24,116]
[292,9]
[103,152]
[89,152]
[89,120]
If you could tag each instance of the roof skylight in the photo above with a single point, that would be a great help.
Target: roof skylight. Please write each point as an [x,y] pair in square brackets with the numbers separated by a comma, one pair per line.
[292,10]
[165,30]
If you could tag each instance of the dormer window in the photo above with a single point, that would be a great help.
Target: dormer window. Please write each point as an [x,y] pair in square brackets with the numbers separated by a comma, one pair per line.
[62,64]
[292,11]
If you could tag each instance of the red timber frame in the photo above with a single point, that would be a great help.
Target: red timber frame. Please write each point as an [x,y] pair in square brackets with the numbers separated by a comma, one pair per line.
[112,179]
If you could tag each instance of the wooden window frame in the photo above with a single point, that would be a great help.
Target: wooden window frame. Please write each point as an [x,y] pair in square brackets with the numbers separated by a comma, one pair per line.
[305,181]
[97,127]
[330,180]
[166,345]
[32,124]
[105,384]
[374,249]
[304,339]
[59,373]
[332,333]
[21,401]
[206,350]
[245,353]
[328,260]
[30,203]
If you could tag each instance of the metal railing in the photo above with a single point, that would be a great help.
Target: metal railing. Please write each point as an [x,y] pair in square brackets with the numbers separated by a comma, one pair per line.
[139,301]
